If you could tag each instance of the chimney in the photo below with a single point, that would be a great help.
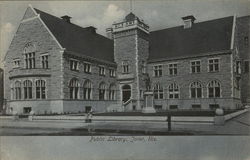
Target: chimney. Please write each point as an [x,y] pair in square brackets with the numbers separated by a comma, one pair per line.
[109,33]
[188,21]
[66,18]
[91,29]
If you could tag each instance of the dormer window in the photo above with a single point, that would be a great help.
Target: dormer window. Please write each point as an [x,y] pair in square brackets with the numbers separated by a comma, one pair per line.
[188,21]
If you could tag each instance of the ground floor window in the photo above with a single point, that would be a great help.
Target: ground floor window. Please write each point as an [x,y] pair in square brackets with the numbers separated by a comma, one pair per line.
[74,88]
[26,110]
[158,107]
[173,107]
[214,106]
[102,91]
[196,106]
[27,86]
[88,109]
[40,89]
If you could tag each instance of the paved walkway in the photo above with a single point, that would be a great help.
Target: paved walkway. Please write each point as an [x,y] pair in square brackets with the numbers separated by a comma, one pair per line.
[237,126]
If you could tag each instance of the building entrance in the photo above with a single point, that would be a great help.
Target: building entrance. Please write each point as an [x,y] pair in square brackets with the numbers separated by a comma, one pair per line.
[126,93]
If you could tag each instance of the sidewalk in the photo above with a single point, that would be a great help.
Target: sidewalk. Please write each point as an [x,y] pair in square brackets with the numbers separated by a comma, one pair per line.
[237,126]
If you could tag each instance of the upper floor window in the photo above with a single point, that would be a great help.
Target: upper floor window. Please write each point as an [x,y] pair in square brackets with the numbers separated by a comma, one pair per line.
[144,67]
[87,67]
[30,60]
[214,89]
[74,65]
[172,69]
[238,67]
[16,63]
[213,65]
[45,61]
[27,86]
[17,90]
[246,40]
[158,70]
[195,66]
[125,67]
[87,90]
[40,89]
[101,71]
[111,72]
[173,91]
[196,90]
[246,66]
[102,91]
[158,91]
[74,88]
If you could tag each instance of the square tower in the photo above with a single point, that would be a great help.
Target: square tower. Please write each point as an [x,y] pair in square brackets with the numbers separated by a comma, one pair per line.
[131,50]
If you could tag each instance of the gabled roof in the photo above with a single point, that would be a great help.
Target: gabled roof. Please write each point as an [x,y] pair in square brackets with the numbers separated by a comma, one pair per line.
[82,41]
[201,38]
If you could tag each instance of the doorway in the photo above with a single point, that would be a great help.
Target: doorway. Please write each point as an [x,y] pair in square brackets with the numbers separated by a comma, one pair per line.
[126,93]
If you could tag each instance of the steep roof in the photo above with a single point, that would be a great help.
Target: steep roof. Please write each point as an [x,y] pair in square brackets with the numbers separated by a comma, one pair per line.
[201,38]
[82,41]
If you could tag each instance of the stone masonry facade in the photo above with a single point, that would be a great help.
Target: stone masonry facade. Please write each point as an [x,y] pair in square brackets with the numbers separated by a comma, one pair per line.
[77,83]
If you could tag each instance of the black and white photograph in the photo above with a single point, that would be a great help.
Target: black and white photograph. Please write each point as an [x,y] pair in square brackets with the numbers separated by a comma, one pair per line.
[167,79]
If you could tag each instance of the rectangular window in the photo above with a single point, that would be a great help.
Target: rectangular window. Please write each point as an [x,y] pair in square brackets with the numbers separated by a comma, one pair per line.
[238,67]
[16,63]
[246,41]
[213,65]
[195,66]
[30,60]
[45,61]
[74,65]
[125,67]
[214,106]
[246,66]
[196,106]
[173,106]
[101,71]
[111,72]
[158,107]
[158,71]
[172,69]
[144,67]
[87,67]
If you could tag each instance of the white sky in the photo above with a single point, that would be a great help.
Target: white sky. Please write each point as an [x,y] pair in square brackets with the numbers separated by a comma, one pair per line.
[101,14]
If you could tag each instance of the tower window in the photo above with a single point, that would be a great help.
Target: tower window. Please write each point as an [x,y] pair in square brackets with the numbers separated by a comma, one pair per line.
[125,67]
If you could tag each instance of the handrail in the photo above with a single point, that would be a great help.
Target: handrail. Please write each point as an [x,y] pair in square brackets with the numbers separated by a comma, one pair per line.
[127,102]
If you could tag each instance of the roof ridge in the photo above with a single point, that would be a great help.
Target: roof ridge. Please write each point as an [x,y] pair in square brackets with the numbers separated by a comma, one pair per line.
[202,22]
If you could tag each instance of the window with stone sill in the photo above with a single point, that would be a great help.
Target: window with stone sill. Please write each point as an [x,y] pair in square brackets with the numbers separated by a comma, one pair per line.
[111,72]
[158,91]
[195,66]
[45,61]
[213,65]
[173,91]
[196,90]
[172,69]
[125,67]
[87,67]
[101,71]
[27,86]
[40,89]
[74,65]
[246,66]
[157,70]
[214,89]
[30,60]
[16,63]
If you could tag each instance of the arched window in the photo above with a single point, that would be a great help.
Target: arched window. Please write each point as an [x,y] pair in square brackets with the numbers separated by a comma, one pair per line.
[158,91]
[196,90]
[173,91]
[27,86]
[112,89]
[214,89]
[74,88]
[40,89]
[17,90]
[29,55]
[102,91]
[87,90]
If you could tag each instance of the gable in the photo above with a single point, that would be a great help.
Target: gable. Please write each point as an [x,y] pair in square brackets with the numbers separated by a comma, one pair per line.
[29,13]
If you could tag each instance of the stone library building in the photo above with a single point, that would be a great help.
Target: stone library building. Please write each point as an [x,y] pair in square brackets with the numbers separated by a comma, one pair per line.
[55,66]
